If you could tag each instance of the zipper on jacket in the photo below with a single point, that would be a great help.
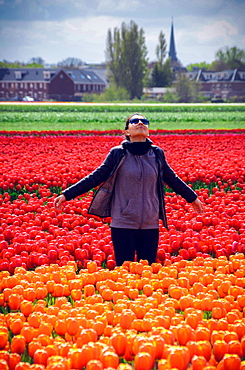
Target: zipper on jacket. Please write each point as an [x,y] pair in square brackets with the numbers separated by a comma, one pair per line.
[143,189]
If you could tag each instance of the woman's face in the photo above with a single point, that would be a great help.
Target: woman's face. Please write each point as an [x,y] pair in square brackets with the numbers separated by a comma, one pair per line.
[137,131]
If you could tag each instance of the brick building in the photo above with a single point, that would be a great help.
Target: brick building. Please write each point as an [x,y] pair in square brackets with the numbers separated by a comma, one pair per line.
[226,84]
[49,83]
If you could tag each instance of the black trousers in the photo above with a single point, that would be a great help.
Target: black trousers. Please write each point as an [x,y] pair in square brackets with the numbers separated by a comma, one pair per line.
[128,242]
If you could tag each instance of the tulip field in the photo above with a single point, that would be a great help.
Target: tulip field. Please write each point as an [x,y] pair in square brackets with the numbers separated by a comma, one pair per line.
[65,305]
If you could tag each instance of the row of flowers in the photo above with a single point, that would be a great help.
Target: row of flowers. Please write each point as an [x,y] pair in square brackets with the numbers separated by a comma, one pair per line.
[58,133]
[185,315]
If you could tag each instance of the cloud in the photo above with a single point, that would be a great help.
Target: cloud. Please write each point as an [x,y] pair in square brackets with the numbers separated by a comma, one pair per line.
[59,29]
[83,38]
[221,28]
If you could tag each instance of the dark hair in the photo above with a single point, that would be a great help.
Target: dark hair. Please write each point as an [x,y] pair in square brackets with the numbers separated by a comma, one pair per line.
[128,119]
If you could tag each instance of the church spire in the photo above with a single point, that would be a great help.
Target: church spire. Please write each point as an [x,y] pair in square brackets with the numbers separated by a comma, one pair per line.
[172,51]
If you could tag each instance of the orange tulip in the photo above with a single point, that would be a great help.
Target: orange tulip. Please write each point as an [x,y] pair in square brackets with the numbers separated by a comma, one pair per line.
[159,345]
[41,356]
[231,362]
[33,346]
[178,358]
[3,365]
[61,327]
[143,361]
[18,344]
[109,358]
[198,362]
[183,333]
[23,366]
[89,290]
[126,318]
[119,342]
[14,359]
[3,339]
[220,348]
[92,266]
[234,347]
[26,307]
[14,301]
[16,325]
[76,358]
[94,365]
[72,326]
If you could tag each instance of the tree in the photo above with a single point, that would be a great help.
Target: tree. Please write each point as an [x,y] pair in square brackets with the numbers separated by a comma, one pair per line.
[126,58]
[75,63]
[161,48]
[36,60]
[110,94]
[161,73]
[188,91]
[202,65]
[229,58]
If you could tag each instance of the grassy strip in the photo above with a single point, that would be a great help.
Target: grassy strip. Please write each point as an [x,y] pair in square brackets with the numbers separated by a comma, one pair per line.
[144,108]
[101,117]
[44,126]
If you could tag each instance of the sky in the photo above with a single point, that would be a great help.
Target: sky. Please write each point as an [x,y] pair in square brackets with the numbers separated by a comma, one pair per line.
[58,29]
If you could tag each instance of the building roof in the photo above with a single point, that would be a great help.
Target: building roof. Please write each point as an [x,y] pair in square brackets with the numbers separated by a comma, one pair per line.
[46,74]
[214,76]
[85,75]
[172,50]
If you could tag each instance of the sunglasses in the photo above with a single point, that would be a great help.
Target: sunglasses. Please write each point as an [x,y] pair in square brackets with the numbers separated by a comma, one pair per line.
[134,121]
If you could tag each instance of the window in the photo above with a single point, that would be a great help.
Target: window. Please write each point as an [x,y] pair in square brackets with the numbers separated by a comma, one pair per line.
[21,85]
[35,85]
[40,85]
[61,75]
[46,75]
[18,75]
[89,77]
[71,75]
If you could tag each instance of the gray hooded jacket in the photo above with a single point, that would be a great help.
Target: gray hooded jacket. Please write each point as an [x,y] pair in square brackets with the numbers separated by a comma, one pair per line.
[106,175]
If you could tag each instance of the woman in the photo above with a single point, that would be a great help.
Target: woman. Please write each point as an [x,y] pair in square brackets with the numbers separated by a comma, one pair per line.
[132,192]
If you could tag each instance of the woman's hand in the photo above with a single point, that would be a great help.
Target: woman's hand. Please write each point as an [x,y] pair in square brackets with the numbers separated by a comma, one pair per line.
[198,206]
[59,201]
